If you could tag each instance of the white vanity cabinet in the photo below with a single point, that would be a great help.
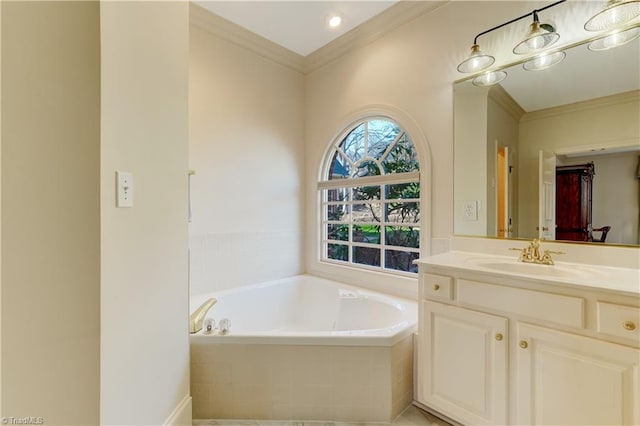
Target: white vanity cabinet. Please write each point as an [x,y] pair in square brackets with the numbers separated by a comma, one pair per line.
[498,349]
[464,363]
[567,379]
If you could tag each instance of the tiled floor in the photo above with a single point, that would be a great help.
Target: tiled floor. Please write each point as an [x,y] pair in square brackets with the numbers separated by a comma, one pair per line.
[412,416]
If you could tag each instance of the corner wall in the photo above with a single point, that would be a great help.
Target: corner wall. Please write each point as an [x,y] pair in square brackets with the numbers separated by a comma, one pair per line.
[144,299]
[246,124]
[50,211]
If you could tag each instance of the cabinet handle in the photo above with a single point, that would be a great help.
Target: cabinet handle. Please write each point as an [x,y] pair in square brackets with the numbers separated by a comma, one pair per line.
[499,337]
[629,325]
[523,344]
[436,287]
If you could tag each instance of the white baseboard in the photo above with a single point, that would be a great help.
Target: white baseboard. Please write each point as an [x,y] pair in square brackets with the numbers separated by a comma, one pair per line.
[181,415]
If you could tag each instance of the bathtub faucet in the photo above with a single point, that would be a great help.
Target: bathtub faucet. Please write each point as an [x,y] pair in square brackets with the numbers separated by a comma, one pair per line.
[196,319]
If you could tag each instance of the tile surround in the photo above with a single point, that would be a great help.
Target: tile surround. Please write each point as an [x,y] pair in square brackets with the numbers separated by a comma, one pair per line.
[274,254]
[331,383]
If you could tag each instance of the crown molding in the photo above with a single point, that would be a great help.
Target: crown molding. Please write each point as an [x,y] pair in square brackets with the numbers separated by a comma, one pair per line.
[227,30]
[399,14]
[605,101]
[504,99]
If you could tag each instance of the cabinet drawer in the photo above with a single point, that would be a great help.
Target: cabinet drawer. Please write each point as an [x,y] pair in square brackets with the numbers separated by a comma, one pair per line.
[437,287]
[547,307]
[619,320]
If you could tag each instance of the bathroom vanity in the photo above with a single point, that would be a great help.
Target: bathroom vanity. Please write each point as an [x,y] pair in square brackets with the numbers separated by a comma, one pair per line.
[505,342]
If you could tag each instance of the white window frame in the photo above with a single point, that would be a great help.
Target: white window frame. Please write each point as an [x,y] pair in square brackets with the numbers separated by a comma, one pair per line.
[349,183]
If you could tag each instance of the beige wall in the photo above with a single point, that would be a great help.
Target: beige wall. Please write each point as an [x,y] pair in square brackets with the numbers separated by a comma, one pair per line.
[608,122]
[246,146]
[470,165]
[144,299]
[1,412]
[51,211]
[503,116]
[616,196]
[410,69]
[484,119]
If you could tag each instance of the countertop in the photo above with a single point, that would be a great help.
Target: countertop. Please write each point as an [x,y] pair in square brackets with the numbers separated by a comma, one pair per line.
[624,280]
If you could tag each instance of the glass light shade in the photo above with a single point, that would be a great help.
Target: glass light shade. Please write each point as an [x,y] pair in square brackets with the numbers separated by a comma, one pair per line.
[537,39]
[477,61]
[489,79]
[616,13]
[616,39]
[544,61]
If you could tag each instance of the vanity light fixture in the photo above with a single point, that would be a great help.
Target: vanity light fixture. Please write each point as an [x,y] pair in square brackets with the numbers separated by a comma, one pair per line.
[614,14]
[544,61]
[615,39]
[539,37]
[477,61]
[489,78]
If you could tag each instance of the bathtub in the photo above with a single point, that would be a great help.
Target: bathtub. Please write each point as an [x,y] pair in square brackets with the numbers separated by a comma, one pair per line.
[304,348]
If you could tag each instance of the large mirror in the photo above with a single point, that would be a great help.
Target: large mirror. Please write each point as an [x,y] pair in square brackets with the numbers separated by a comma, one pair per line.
[552,154]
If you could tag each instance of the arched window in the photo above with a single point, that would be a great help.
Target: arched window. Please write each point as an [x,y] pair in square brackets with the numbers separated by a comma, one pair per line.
[370,194]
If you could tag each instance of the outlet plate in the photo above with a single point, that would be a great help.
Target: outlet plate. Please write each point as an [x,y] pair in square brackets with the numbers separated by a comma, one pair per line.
[124,189]
[470,211]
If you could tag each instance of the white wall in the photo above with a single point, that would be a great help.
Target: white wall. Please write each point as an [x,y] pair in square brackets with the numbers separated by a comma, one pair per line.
[246,146]
[51,211]
[144,299]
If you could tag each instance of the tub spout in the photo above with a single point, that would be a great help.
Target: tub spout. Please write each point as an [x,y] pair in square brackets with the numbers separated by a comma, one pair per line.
[196,319]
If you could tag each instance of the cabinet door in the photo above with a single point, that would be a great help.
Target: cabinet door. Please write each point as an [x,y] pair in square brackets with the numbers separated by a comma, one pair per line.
[566,379]
[463,364]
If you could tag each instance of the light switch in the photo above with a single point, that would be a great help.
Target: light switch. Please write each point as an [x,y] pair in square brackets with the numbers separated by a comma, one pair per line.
[124,189]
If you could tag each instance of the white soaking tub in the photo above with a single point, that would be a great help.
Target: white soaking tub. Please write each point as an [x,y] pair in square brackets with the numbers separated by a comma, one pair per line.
[304,348]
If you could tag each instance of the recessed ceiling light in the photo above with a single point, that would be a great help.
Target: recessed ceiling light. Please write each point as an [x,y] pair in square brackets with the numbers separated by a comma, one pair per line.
[334,21]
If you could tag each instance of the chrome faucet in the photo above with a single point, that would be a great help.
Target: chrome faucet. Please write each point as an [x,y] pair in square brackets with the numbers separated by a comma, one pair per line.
[531,254]
[196,319]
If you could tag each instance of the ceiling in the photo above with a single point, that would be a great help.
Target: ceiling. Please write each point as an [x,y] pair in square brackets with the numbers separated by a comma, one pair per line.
[583,75]
[299,26]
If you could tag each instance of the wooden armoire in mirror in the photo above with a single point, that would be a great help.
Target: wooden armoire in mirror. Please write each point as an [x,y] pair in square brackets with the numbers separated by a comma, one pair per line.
[573,201]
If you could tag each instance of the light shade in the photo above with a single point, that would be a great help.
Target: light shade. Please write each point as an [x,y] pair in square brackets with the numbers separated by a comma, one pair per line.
[544,61]
[615,39]
[477,61]
[489,79]
[615,13]
[537,39]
